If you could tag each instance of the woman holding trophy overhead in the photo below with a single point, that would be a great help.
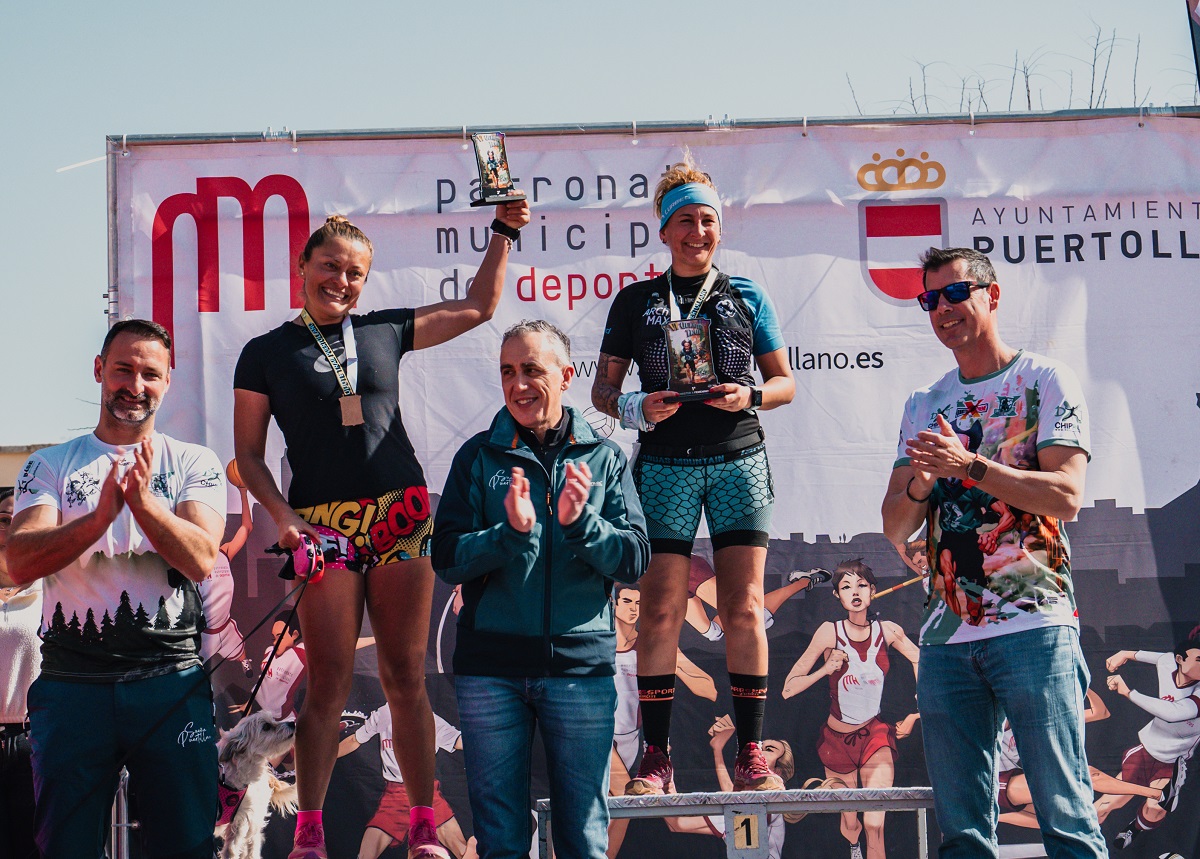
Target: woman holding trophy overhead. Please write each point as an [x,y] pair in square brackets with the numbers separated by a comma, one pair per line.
[695,333]
[329,378]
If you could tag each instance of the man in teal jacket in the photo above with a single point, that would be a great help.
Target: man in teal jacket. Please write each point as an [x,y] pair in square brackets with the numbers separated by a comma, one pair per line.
[538,518]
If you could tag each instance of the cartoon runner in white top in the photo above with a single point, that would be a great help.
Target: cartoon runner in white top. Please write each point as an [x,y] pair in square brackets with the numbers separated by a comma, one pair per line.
[277,695]
[389,826]
[221,638]
[1167,742]
[1014,797]
[856,746]
[626,737]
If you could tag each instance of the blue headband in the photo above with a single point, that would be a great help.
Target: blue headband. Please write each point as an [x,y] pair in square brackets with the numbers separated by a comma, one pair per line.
[684,195]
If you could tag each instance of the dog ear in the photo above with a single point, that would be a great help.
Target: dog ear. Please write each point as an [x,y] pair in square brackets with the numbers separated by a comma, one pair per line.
[233,744]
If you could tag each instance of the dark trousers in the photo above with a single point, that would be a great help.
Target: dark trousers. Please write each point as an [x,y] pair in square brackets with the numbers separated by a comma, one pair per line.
[16,794]
[161,728]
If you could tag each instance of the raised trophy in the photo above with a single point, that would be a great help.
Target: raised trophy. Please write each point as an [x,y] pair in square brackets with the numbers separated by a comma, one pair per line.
[495,180]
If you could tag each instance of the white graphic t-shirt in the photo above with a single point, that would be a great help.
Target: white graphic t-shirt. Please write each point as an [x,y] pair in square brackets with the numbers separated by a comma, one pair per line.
[380,722]
[118,612]
[995,569]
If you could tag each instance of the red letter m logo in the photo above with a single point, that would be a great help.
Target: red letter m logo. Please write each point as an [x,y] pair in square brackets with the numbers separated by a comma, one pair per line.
[202,206]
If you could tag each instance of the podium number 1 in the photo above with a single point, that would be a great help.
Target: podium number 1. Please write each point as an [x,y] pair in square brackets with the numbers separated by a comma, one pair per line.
[745,831]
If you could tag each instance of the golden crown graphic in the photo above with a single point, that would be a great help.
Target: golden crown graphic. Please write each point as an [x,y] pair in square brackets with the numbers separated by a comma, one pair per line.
[901,174]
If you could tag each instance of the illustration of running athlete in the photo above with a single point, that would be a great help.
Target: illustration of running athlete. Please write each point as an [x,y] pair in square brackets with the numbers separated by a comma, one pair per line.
[779,757]
[279,690]
[702,591]
[389,825]
[222,646]
[856,745]
[1167,742]
[277,695]
[221,638]
[627,742]
[1015,798]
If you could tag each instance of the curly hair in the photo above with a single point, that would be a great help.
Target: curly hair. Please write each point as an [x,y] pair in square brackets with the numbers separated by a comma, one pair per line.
[679,173]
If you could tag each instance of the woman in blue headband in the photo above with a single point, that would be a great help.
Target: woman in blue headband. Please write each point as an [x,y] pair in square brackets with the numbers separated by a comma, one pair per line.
[698,455]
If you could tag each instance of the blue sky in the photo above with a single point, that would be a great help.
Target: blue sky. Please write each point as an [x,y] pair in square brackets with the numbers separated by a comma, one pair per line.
[76,71]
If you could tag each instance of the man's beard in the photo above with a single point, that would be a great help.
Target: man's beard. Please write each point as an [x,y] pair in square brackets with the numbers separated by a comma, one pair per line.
[132,411]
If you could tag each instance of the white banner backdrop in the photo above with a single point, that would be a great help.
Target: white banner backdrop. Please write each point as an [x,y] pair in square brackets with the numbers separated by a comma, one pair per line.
[1094,227]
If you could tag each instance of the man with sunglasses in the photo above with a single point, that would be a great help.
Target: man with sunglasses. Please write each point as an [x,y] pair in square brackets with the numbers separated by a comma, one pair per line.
[992,459]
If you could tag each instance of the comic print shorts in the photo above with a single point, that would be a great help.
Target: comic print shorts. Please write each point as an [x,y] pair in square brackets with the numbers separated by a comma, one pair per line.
[370,532]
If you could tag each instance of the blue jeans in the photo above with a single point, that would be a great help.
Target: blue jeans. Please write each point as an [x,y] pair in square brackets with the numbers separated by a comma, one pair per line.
[1038,679]
[576,715]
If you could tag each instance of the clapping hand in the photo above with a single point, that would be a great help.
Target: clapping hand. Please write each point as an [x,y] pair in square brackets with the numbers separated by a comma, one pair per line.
[517,504]
[576,489]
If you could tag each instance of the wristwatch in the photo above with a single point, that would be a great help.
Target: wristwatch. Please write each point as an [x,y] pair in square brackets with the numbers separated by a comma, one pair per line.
[755,398]
[976,470]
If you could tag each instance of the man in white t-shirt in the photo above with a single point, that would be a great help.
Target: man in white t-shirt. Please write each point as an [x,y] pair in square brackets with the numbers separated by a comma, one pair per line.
[991,460]
[120,525]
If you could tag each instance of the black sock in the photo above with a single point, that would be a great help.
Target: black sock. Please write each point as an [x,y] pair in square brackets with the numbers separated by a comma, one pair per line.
[656,693]
[749,702]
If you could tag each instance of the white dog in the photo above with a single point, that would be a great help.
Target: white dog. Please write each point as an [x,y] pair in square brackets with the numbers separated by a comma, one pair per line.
[249,787]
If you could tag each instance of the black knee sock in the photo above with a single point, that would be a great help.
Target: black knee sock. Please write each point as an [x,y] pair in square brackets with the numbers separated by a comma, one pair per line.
[749,702]
[656,693]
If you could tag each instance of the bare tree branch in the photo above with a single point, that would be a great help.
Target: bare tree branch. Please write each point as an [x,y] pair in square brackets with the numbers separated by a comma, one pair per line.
[1012,87]
[1095,64]
[1112,43]
[1137,55]
[852,95]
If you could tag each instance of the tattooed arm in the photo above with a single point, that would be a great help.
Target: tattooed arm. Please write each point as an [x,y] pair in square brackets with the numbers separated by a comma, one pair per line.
[606,389]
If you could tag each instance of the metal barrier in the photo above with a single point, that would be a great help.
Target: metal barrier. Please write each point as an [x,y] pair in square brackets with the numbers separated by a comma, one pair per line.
[746,812]
[121,824]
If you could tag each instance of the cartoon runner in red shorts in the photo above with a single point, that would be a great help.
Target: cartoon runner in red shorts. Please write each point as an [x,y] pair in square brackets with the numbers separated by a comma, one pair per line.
[389,826]
[856,746]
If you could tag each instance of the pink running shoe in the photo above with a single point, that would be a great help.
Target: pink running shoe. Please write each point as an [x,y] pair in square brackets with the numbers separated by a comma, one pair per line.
[309,842]
[423,842]
[654,774]
[750,771]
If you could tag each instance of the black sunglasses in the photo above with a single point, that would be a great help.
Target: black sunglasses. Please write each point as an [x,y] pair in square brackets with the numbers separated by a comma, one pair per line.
[956,293]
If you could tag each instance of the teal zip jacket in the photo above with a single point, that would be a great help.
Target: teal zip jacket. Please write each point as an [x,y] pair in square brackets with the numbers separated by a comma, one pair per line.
[537,604]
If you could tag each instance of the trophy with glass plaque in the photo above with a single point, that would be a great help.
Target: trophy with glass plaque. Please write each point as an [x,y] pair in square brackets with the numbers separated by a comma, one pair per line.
[495,180]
